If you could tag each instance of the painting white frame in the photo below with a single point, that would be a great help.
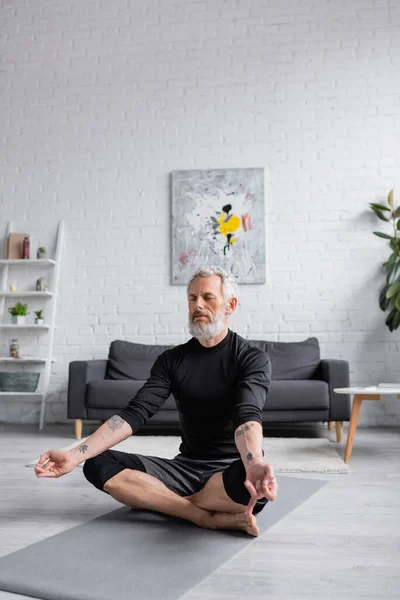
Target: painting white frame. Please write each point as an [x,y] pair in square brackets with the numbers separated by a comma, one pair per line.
[205,232]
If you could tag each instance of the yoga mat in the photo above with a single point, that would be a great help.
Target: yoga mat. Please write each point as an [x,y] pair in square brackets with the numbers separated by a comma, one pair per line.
[136,555]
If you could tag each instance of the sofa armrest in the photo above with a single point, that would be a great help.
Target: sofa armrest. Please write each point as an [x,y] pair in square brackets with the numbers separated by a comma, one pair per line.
[80,372]
[336,373]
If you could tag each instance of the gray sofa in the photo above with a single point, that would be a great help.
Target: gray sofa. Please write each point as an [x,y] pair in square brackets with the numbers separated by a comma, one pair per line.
[301,385]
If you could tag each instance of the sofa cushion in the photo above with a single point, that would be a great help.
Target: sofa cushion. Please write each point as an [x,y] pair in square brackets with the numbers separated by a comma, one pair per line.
[297,395]
[292,360]
[117,394]
[128,360]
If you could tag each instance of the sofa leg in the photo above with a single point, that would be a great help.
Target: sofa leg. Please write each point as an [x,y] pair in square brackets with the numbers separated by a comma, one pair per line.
[339,431]
[78,428]
[330,425]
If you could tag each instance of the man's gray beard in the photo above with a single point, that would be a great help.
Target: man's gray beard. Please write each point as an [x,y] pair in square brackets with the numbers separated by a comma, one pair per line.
[208,330]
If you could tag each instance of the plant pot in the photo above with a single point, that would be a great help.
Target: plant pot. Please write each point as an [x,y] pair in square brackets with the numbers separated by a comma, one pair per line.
[40,254]
[39,321]
[17,320]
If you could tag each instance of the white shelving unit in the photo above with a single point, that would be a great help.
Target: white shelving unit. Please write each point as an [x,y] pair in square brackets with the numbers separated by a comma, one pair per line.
[30,326]
[50,297]
[21,360]
[26,294]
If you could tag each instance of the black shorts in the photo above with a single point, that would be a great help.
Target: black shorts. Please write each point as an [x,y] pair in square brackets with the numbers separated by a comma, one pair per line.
[184,476]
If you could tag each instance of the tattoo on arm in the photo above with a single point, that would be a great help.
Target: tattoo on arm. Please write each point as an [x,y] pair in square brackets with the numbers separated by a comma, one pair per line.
[83,448]
[115,422]
[239,432]
[243,430]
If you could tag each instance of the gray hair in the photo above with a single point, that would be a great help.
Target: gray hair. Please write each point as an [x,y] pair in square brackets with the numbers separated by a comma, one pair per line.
[230,288]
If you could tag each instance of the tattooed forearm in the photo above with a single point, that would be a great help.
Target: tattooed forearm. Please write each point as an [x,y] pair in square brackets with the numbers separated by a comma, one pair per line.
[83,448]
[248,439]
[115,422]
[243,430]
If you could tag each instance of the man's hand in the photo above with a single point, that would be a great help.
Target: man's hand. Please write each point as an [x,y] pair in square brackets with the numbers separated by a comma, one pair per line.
[261,483]
[59,462]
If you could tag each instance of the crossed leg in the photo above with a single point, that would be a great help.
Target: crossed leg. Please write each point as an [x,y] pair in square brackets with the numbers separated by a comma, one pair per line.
[228,514]
[210,508]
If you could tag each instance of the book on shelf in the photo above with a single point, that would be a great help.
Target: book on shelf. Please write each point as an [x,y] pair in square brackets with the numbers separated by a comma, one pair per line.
[14,245]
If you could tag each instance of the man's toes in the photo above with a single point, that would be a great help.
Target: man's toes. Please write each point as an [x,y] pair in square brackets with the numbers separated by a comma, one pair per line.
[252,528]
[254,531]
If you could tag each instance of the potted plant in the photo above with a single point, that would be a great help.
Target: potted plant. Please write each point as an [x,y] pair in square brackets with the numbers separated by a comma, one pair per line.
[18,313]
[41,252]
[390,293]
[39,319]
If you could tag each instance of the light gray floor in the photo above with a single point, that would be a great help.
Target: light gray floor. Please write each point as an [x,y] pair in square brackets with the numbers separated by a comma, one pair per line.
[343,542]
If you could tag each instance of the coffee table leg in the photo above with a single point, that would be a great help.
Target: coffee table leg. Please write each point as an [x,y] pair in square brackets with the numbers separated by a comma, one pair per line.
[355,411]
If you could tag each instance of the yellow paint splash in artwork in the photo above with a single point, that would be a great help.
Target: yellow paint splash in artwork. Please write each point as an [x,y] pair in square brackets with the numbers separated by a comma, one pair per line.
[229,226]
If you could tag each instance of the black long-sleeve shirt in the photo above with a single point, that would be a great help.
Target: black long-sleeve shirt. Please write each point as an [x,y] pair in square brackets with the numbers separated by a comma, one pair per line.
[216,390]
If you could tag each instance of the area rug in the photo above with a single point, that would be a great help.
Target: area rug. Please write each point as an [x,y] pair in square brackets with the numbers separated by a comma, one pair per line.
[287,455]
[137,555]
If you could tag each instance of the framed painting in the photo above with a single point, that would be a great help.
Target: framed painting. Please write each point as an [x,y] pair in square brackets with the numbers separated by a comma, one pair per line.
[218,219]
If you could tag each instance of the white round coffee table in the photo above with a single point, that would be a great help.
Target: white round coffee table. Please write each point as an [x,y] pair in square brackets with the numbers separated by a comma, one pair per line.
[360,394]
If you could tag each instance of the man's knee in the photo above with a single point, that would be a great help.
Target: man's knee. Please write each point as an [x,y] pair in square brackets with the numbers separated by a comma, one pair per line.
[233,478]
[104,470]
[93,469]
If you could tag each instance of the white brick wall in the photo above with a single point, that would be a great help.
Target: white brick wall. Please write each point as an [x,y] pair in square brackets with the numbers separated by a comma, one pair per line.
[100,101]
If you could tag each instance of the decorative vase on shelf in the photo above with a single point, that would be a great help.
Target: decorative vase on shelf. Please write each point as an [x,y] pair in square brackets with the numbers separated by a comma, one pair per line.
[39,317]
[25,248]
[14,349]
[18,320]
[41,285]
[18,313]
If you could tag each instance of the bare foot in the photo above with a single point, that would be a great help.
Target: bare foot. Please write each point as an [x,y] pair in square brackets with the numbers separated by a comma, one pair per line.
[243,521]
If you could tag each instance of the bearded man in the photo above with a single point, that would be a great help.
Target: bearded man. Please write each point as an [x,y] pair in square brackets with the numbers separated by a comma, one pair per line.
[220,383]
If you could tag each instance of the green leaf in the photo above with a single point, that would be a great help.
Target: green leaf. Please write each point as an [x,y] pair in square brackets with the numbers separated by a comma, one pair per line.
[383,235]
[383,301]
[390,198]
[391,260]
[390,318]
[398,224]
[396,320]
[393,319]
[396,268]
[397,302]
[389,263]
[393,245]
[393,289]
[379,214]
[397,213]
[379,207]
[390,275]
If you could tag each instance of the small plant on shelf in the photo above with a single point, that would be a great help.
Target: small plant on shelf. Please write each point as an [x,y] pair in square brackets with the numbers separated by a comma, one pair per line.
[39,318]
[18,313]
[41,252]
